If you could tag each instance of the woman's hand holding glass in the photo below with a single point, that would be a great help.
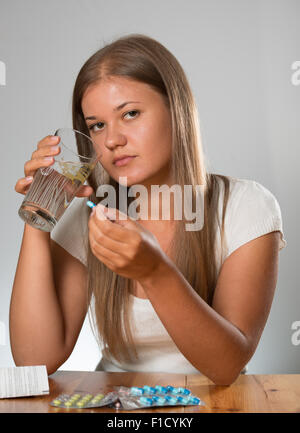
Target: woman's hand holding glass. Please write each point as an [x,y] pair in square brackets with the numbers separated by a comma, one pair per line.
[43,157]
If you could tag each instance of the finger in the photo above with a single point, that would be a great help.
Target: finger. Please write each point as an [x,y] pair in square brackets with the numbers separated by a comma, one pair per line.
[107,254]
[47,150]
[84,191]
[109,228]
[104,260]
[33,165]
[23,185]
[115,215]
[119,217]
[49,140]
[102,252]
[103,240]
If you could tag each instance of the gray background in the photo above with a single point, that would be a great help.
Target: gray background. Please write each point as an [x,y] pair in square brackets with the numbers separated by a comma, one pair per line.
[237,55]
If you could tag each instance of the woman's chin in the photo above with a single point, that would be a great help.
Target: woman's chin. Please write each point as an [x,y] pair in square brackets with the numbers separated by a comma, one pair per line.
[130,180]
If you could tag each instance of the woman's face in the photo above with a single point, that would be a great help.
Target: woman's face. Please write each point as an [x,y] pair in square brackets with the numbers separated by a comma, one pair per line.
[127,117]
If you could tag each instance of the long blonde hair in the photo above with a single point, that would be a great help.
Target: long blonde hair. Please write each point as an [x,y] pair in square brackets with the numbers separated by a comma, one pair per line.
[144,59]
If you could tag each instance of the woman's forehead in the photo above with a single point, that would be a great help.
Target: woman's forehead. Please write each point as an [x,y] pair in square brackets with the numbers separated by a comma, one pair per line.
[114,91]
[117,84]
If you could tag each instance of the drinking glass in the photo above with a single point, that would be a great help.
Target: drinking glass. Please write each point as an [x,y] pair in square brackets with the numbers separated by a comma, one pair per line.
[53,188]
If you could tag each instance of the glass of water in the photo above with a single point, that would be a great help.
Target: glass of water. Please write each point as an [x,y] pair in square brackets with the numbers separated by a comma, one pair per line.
[53,188]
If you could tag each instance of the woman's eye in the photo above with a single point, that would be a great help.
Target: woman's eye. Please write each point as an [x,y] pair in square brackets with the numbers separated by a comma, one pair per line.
[131,114]
[98,125]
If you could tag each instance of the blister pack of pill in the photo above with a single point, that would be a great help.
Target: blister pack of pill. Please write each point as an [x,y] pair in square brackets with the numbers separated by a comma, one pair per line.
[149,396]
[80,400]
[130,398]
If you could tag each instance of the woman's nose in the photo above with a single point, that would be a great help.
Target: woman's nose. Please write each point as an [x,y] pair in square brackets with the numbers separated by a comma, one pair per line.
[114,137]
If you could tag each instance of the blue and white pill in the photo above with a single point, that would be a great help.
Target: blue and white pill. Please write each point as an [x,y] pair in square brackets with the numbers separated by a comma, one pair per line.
[194,400]
[152,390]
[175,391]
[136,390]
[90,204]
[171,400]
[161,389]
[182,400]
[146,400]
[170,388]
[149,389]
[184,391]
[158,400]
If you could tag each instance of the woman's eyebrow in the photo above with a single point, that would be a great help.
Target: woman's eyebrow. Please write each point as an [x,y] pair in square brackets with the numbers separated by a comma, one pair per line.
[119,107]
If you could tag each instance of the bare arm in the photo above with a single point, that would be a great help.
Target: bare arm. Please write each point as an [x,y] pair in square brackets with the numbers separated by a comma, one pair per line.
[49,297]
[219,340]
[48,302]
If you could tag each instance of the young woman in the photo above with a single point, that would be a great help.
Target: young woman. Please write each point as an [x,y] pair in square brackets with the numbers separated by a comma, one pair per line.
[162,298]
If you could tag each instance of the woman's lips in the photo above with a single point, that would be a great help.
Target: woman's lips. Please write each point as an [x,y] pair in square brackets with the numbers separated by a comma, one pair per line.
[124,161]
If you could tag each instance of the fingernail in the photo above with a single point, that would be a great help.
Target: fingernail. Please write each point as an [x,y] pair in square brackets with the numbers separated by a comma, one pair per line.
[110,213]
[29,178]
[99,212]
[102,207]
[54,138]
[48,158]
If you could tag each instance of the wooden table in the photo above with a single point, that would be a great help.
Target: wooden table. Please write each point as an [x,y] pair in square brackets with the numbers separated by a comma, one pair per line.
[249,393]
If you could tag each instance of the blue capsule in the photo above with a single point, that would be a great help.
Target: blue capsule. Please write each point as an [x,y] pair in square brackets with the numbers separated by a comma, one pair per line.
[136,391]
[175,391]
[194,400]
[158,400]
[146,401]
[184,391]
[171,400]
[149,389]
[161,389]
[182,400]
[170,388]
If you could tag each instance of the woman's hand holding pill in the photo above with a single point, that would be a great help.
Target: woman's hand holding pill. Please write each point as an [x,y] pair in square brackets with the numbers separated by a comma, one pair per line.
[123,244]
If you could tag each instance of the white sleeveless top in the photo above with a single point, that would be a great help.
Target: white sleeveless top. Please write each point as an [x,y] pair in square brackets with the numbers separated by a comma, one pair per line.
[252,211]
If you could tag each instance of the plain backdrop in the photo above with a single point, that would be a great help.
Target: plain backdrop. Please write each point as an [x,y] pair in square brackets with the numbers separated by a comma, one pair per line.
[238,57]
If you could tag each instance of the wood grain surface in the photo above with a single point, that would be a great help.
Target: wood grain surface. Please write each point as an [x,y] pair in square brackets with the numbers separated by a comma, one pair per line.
[249,393]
